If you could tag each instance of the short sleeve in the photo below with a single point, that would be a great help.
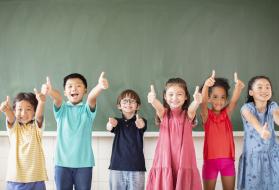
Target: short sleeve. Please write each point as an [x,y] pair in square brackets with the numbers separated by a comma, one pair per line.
[248,106]
[58,111]
[91,112]
[272,106]
[145,125]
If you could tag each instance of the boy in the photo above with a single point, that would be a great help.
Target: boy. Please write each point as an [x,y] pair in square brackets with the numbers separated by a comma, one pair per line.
[74,158]
[127,165]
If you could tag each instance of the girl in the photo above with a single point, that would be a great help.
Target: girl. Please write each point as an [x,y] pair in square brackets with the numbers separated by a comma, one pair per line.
[26,164]
[127,165]
[174,165]
[259,162]
[219,149]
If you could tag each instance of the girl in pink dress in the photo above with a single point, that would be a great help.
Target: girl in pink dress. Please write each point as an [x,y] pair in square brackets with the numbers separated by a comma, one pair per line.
[174,165]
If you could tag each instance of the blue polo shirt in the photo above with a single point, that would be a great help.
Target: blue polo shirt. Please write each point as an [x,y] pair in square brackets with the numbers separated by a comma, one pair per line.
[127,150]
[74,135]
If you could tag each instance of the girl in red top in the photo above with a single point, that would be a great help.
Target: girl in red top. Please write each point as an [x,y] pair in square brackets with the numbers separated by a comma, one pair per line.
[219,149]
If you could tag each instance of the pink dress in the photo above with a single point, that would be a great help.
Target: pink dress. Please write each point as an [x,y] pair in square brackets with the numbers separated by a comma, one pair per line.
[174,165]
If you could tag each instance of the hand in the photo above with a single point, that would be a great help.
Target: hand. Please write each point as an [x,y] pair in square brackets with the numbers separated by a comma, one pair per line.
[4,106]
[211,80]
[197,96]
[139,122]
[40,96]
[113,122]
[103,82]
[264,132]
[238,83]
[151,95]
[47,87]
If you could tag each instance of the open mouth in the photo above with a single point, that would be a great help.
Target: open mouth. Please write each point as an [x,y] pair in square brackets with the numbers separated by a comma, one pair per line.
[74,95]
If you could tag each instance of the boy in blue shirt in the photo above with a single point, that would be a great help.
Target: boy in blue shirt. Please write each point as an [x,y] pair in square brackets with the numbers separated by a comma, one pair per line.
[127,165]
[74,158]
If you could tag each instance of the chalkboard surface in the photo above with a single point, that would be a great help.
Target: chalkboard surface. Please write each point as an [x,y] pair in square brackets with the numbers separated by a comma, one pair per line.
[137,43]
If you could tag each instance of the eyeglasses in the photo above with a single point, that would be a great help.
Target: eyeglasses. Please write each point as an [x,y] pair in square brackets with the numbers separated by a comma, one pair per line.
[126,101]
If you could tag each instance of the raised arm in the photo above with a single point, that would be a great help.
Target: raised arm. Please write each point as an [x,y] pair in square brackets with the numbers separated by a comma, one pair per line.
[195,104]
[263,131]
[207,84]
[239,85]
[39,115]
[159,108]
[94,93]
[53,93]
[6,108]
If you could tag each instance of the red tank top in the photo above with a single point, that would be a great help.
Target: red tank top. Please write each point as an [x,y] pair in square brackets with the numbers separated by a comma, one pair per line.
[218,141]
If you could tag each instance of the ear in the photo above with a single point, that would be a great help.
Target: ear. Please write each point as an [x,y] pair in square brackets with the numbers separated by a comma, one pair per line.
[138,107]
[85,90]
[65,93]
[251,92]
[118,106]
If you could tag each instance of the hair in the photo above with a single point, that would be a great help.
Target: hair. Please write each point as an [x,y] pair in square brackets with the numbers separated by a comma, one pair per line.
[128,93]
[250,85]
[222,83]
[27,96]
[75,75]
[181,83]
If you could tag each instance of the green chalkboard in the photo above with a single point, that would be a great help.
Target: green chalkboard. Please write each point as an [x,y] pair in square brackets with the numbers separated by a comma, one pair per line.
[137,43]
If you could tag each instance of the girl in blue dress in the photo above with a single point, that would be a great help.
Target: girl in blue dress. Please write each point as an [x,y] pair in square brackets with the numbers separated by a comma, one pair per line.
[259,162]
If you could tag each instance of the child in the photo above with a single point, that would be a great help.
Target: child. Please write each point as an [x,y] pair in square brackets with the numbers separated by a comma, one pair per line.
[127,165]
[26,164]
[174,165]
[74,157]
[259,162]
[218,152]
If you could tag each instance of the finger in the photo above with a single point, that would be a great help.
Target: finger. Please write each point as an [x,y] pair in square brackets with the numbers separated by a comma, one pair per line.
[235,77]
[36,91]
[196,90]
[137,116]
[8,99]
[47,80]
[213,74]
[152,89]
[102,75]
[265,126]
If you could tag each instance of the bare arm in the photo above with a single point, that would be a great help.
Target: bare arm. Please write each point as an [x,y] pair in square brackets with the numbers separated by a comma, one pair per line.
[195,104]
[239,85]
[276,116]
[159,108]
[6,108]
[53,93]
[263,131]
[204,109]
[95,92]
[39,115]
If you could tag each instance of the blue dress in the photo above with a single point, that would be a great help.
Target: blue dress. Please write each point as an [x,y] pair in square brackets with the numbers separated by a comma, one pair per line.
[259,163]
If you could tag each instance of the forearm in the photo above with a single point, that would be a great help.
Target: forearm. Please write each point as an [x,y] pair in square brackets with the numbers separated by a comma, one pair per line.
[159,108]
[39,112]
[93,94]
[252,120]
[56,97]
[10,116]
[192,109]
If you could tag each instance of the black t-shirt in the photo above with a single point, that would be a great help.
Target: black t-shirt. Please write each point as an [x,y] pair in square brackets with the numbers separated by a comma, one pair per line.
[127,149]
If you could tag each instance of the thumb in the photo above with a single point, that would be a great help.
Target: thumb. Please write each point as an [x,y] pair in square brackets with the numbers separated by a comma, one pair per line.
[8,100]
[265,127]
[36,91]
[48,80]
[152,88]
[235,77]
[196,90]
[102,75]
[137,116]
[213,74]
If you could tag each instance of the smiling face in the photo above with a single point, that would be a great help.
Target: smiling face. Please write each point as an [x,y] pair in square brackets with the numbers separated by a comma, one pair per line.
[175,96]
[261,90]
[128,106]
[24,111]
[74,90]
[217,98]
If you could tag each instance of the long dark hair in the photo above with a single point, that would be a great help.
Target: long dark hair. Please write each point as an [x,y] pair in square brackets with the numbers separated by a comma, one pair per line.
[250,85]
[181,83]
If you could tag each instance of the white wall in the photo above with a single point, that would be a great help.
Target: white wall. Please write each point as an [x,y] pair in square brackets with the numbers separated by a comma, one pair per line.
[102,143]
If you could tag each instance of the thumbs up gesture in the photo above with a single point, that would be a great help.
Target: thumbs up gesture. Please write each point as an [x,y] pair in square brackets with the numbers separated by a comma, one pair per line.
[111,123]
[211,80]
[47,87]
[40,96]
[264,133]
[238,83]
[139,122]
[151,95]
[197,96]
[103,82]
[5,105]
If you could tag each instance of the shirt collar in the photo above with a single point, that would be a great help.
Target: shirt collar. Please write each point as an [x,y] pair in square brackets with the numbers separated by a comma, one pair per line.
[71,104]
